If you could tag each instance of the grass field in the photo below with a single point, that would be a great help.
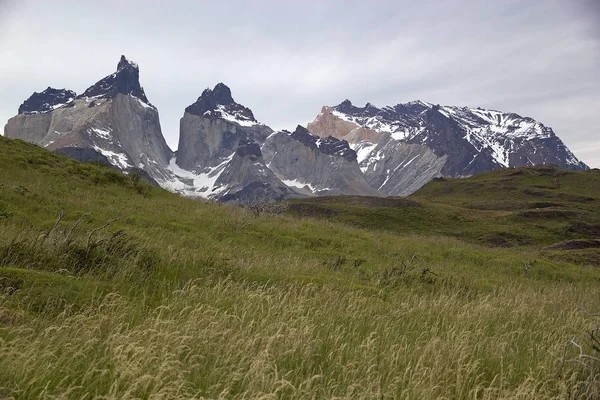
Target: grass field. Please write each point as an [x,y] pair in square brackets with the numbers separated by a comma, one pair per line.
[111,288]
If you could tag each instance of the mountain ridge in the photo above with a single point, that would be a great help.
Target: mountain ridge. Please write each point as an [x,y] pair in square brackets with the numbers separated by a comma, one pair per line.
[223,149]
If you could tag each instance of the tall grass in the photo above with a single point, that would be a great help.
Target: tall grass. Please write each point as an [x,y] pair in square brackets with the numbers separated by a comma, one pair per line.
[235,339]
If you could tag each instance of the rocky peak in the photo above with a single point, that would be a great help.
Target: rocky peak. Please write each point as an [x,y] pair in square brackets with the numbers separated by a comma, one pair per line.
[219,103]
[222,94]
[209,100]
[48,100]
[346,107]
[125,63]
[302,135]
[125,81]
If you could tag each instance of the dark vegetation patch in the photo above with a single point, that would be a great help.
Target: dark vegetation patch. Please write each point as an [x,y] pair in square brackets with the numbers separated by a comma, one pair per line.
[542,204]
[548,170]
[577,199]
[589,257]
[535,193]
[583,228]
[504,239]
[311,210]
[576,244]
[550,214]
[514,172]
[367,201]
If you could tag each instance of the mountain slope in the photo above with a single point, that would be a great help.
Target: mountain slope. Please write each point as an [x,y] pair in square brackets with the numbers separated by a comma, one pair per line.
[317,166]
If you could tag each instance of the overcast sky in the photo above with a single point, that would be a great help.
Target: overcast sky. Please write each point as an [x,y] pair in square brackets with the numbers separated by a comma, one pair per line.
[286,59]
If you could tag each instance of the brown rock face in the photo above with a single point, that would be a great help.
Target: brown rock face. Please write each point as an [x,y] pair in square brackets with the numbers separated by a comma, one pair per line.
[328,124]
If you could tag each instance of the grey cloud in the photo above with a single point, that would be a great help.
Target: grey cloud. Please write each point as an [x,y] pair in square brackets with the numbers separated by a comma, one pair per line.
[285,60]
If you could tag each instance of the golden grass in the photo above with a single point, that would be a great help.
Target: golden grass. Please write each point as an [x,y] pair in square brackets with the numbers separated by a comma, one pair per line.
[228,339]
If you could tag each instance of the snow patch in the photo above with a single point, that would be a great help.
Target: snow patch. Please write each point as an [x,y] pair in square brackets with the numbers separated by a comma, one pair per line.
[119,160]
[363,150]
[303,185]
[201,184]
[238,119]
[102,133]
[143,104]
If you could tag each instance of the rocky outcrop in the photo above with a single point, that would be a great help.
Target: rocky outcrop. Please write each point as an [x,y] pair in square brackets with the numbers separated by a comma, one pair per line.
[48,100]
[85,155]
[315,166]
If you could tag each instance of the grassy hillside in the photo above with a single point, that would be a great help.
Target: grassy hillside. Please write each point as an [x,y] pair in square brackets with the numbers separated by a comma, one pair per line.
[548,209]
[111,288]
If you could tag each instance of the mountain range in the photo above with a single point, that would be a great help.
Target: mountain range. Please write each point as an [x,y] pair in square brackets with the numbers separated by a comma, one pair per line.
[226,154]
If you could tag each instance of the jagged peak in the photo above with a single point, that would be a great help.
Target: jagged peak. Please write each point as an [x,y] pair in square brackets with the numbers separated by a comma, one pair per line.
[211,98]
[219,103]
[124,62]
[126,80]
[48,100]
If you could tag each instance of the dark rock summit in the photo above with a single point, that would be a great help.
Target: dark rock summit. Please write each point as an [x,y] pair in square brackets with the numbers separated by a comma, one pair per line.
[248,147]
[46,101]
[218,100]
[125,81]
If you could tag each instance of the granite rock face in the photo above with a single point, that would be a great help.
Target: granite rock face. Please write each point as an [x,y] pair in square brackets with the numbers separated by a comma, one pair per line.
[315,166]
[112,118]
[219,154]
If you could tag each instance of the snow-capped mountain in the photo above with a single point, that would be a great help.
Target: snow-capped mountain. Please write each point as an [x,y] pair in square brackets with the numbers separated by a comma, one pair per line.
[402,147]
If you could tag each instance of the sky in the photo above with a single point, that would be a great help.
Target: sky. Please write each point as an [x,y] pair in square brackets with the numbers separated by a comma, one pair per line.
[286,59]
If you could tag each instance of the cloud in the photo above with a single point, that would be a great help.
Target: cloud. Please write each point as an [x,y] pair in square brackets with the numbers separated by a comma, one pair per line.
[285,60]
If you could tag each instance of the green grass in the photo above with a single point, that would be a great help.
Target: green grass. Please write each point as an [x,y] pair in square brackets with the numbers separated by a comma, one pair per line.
[528,207]
[341,298]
